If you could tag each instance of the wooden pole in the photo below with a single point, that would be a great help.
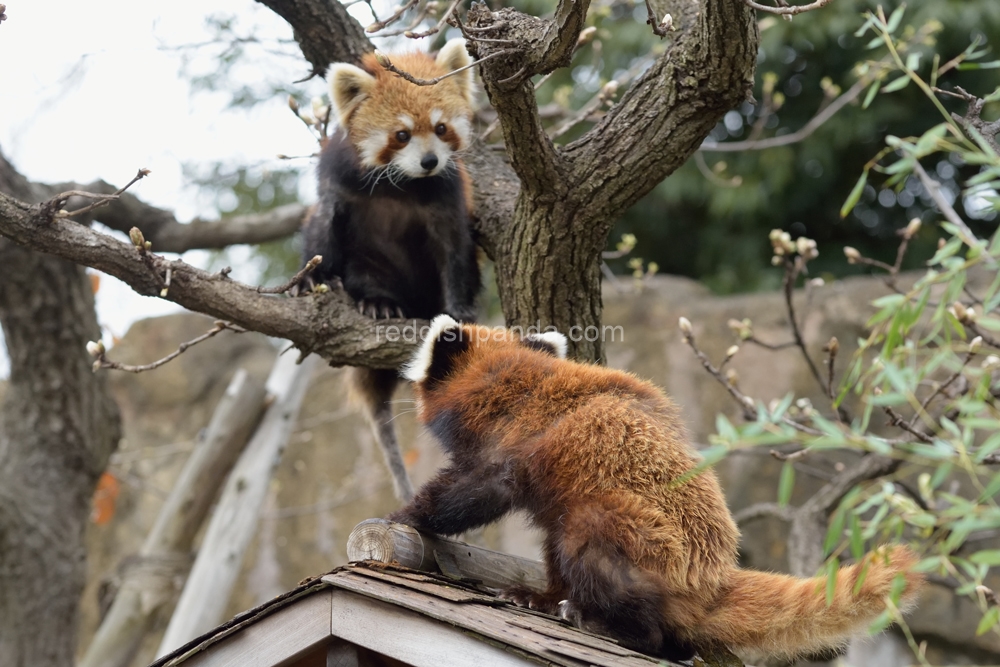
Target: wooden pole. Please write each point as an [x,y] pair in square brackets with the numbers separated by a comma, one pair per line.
[149,584]
[387,542]
[206,593]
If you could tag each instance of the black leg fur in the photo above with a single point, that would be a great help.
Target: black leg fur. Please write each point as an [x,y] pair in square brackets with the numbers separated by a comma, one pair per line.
[609,595]
[456,501]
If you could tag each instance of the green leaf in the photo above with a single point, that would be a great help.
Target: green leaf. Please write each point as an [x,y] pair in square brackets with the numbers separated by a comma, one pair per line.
[831,579]
[835,531]
[779,411]
[913,60]
[725,428]
[991,445]
[928,564]
[852,199]
[895,18]
[861,577]
[898,84]
[993,64]
[786,483]
[883,621]
[990,618]
[857,541]
[872,92]
[986,557]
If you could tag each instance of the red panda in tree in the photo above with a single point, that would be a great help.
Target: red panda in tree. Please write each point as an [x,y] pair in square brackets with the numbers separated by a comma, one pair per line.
[636,546]
[393,218]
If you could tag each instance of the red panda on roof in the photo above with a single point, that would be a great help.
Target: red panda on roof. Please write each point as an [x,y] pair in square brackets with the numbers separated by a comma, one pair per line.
[639,543]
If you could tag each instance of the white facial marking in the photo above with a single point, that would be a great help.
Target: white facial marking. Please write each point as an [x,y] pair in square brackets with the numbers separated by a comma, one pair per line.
[370,147]
[416,369]
[553,338]
[406,121]
[463,129]
[436,115]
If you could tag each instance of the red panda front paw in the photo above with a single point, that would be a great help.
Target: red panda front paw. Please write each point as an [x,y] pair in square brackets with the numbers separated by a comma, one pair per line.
[380,309]
[525,597]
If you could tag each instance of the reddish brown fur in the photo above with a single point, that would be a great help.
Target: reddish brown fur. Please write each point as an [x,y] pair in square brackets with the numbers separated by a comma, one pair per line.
[593,455]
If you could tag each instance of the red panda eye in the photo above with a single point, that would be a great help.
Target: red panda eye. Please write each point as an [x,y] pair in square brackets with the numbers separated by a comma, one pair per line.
[402,136]
[440,129]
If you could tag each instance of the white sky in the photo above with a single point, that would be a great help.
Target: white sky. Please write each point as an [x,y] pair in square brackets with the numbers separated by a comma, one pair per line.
[93,90]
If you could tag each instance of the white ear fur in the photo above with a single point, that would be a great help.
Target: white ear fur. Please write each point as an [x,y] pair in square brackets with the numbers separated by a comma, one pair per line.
[554,339]
[453,56]
[416,369]
[349,85]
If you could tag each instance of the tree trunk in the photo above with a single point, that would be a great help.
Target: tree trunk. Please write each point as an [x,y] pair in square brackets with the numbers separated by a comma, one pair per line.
[549,273]
[58,427]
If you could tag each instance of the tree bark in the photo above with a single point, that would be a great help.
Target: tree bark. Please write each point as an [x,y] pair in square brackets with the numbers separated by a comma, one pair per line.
[58,427]
[550,253]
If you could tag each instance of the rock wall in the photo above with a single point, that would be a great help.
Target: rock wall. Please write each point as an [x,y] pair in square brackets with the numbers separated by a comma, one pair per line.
[331,475]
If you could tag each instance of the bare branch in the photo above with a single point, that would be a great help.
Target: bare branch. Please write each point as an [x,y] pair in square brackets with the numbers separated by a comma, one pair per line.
[791,10]
[896,419]
[402,9]
[803,133]
[159,226]
[327,324]
[101,361]
[295,280]
[792,269]
[386,64]
[432,31]
[761,510]
[934,190]
[973,119]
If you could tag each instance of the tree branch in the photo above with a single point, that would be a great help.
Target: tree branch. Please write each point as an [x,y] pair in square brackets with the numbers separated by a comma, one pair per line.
[327,324]
[664,116]
[326,33]
[788,10]
[801,134]
[973,119]
[507,82]
[159,226]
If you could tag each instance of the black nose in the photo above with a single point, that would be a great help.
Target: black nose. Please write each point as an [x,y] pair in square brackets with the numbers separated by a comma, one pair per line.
[429,161]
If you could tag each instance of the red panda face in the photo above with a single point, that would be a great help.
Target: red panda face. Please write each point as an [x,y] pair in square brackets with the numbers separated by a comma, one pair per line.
[399,128]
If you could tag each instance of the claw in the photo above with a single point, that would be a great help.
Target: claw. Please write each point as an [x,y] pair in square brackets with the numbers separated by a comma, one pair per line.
[384,312]
[361,306]
[399,312]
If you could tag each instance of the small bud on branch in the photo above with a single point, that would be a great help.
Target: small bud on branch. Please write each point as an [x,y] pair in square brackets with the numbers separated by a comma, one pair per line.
[685,326]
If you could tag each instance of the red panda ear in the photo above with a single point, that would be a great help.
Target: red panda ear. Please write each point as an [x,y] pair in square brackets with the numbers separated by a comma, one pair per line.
[550,342]
[453,56]
[436,356]
[349,86]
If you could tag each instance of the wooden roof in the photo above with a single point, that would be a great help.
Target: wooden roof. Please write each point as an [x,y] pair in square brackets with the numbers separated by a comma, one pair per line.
[417,617]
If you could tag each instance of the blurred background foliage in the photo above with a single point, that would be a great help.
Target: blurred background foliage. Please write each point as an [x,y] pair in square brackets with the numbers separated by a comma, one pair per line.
[710,219]
[697,225]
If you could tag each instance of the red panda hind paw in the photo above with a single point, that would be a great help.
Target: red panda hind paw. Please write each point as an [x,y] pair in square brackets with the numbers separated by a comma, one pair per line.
[524,597]
[571,613]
